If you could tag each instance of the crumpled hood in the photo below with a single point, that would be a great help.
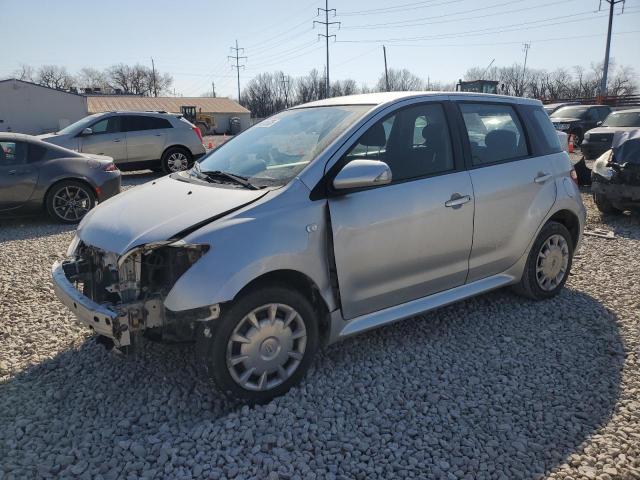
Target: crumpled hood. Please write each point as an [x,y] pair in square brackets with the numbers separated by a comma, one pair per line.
[157,211]
[611,129]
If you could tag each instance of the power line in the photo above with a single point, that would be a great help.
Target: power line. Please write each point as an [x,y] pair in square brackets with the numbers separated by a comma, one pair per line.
[326,36]
[237,65]
[605,69]
[393,9]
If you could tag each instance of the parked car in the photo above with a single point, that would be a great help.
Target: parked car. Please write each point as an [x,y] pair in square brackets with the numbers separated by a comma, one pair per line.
[599,140]
[616,174]
[135,140]
[577,119]
[552,107]
[327,220]
[37,176]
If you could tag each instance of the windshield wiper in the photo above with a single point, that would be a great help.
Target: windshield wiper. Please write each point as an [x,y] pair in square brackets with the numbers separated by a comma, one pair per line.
[230,176]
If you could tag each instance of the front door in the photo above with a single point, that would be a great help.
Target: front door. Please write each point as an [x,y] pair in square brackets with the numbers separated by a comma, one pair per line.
[18,178]
[411,238]
[107,138]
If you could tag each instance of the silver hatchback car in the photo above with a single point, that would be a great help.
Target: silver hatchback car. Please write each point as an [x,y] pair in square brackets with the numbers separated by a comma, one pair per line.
[135,140]
[327,220]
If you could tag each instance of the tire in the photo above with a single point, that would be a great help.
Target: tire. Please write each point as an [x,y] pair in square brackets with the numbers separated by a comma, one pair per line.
[217,344]
[175,159]
[69,201]
[604,205]
[530,284]
[578,137]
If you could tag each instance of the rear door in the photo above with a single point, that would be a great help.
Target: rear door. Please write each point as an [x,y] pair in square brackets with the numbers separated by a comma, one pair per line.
[514,188]
[107,139]
[146,137]
[18,177]
[399,242]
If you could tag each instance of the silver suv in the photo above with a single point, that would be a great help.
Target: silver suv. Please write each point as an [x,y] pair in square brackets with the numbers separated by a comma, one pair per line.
[135,140]
[327,220]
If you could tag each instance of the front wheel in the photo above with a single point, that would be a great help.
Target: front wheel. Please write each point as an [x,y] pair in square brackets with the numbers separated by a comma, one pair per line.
[69,201]
[604,204]
[176,159]
[261,346]
[548,264]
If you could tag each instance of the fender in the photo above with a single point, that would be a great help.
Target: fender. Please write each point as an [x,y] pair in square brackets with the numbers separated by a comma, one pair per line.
[286,233]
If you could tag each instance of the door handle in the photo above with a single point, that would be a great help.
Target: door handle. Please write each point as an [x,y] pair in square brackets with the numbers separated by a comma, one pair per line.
[11,172]
[457,200]
[117,140]
[159,134]
[542,177]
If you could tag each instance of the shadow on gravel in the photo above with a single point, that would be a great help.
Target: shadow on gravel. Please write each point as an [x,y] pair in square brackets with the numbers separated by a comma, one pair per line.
[494,387]
[29,227]
[138,177]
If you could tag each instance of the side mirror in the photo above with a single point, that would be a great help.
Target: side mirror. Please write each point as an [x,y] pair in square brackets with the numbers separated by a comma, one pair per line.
[362,173]
[86,131]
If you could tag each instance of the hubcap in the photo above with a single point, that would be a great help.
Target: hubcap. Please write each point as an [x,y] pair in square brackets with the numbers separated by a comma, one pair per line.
[71,203]
[177,162]
[552,262]
[266,347]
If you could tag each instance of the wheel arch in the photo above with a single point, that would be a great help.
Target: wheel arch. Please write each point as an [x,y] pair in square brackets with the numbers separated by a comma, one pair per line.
[301,283]
[570,220]
[179,146]
[68,179]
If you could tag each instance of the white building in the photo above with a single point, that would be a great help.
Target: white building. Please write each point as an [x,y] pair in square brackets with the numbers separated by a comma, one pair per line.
[29,108]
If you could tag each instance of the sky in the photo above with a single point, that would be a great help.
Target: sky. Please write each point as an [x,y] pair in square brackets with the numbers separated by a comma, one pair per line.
[191,39]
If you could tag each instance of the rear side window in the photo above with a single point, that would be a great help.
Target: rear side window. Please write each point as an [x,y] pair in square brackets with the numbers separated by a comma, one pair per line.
[13,153]
[546,134]
[495,133]
[134,123]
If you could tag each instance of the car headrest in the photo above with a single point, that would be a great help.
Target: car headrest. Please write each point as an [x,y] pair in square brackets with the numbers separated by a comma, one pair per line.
[503,140]
[432,131]
[374,137]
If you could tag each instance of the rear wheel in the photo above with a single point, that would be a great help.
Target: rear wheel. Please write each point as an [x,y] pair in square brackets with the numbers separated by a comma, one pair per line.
[176,159]
[69,201]
[261,346]
[604,204]
[548,264]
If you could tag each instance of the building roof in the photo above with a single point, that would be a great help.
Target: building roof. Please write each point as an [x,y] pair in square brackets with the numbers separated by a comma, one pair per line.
[110,103]
[17,80]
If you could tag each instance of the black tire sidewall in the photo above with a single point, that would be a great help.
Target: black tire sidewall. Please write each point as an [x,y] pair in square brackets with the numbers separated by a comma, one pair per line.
[211,350]
[56,188]
[530,283]
[604,204]
[169,152]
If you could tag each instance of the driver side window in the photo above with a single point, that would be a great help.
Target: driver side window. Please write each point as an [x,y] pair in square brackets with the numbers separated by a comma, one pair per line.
[106,125]
[414,142]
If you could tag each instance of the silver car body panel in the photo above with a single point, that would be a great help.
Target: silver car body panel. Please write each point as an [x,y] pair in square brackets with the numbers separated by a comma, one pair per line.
[404,267]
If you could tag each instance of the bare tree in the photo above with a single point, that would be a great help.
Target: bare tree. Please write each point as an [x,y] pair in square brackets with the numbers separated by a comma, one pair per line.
[25,72]
[400,81]
[54,76]
[89,77]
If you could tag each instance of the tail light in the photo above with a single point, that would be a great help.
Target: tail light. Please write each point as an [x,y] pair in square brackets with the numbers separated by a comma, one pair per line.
[110,167]
[574,176]
[198,132]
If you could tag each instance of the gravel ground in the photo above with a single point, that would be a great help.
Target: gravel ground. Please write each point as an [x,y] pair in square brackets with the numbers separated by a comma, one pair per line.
[494,387]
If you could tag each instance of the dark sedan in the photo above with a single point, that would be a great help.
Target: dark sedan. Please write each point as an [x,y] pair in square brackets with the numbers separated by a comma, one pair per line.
[598,140]
[577,119]
[37,176]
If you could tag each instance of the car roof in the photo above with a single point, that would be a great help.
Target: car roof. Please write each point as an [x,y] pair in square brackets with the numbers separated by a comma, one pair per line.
[23,137]
[137,112]
[632,110]
[380,98]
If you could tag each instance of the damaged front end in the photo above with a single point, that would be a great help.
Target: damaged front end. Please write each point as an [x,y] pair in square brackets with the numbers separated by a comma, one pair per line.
[618,181]
[120,296]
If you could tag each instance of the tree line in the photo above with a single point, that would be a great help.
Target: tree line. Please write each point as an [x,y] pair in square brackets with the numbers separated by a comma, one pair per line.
[129,79]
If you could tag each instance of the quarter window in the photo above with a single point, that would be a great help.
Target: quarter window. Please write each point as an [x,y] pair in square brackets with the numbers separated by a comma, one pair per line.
[414,142]
[495,133]
[13,153]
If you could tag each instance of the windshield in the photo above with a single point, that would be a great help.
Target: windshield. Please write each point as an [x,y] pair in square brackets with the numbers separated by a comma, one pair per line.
[79,125]
[275,150]
[569,112]
[622,119]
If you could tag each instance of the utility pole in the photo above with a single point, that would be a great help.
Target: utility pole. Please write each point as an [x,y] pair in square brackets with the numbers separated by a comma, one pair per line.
[285,86]
[213,89]
[386,72]
[605,70]
[326,36]
[526,47]
[153,70]
[237,65]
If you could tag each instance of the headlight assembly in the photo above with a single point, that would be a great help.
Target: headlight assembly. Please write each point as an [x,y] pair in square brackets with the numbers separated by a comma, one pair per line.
[601,166]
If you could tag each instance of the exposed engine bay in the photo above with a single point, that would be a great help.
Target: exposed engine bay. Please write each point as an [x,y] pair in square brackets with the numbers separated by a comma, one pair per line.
[135,284]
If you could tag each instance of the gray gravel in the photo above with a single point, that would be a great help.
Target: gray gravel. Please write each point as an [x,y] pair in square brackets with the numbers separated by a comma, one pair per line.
[494,387]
